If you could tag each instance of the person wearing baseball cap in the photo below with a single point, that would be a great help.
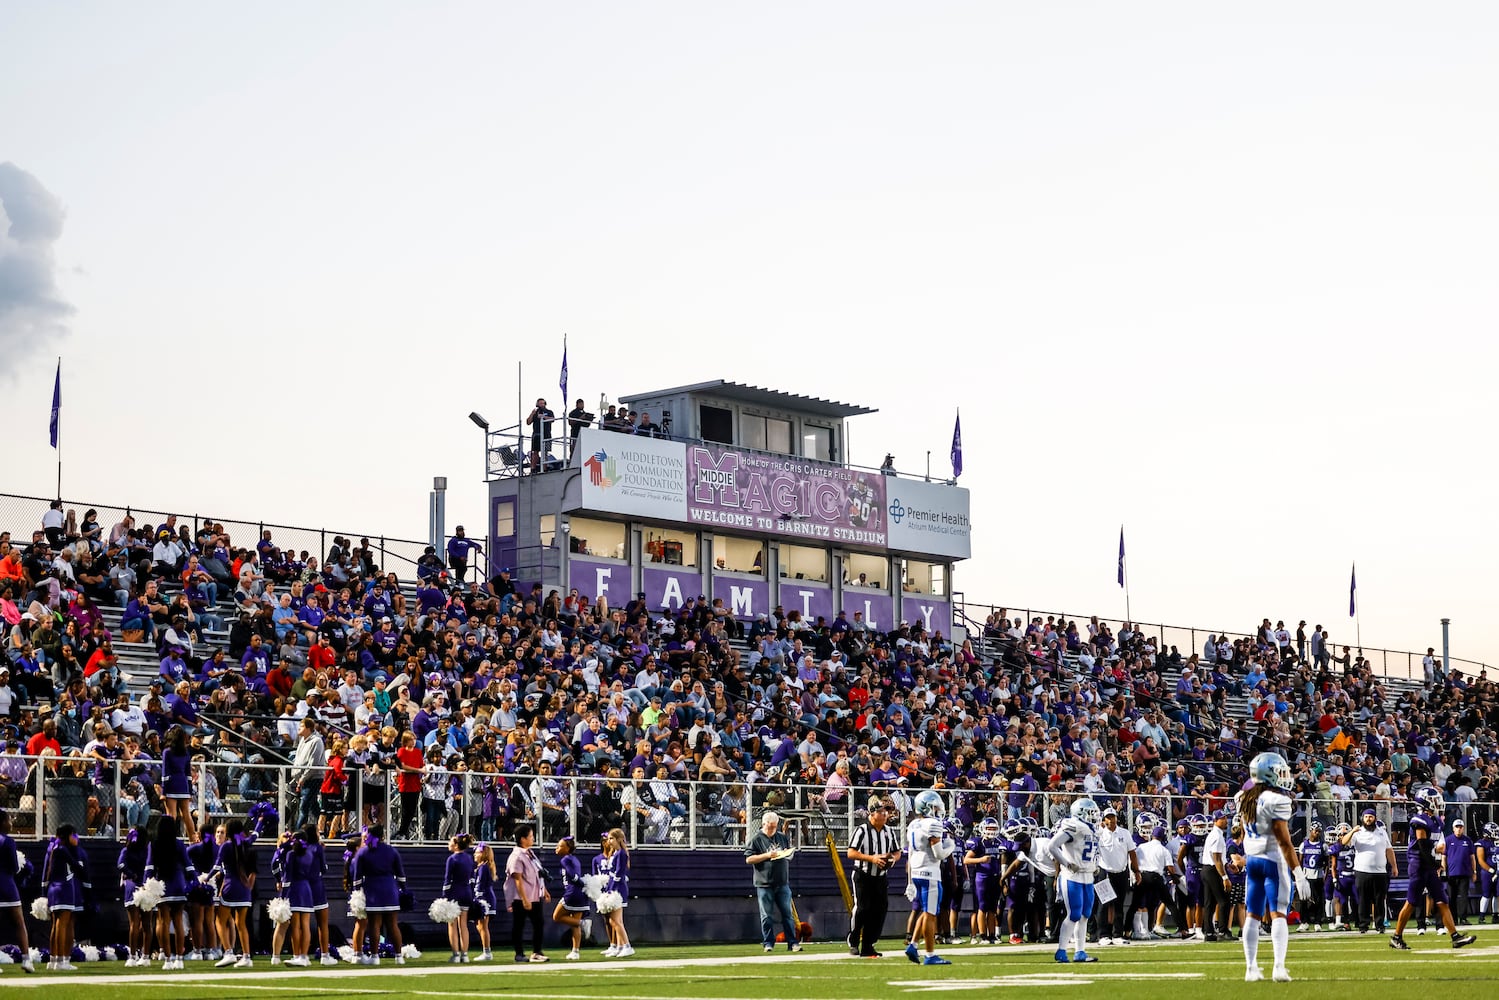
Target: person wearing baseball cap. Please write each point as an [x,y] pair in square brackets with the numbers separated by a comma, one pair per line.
[1373,861]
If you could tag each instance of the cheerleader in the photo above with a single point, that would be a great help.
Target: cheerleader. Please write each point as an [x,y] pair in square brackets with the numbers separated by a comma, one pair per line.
[278,876]
[318,881]
[296,887]
[486,874]
[200,899]
[167,859]
[356,934]
[619,881]
[573,906]
[234,872]
[379,873]
[602,865]
[177,782]
[458,885]
[12,864]
[65,874]
[132,864]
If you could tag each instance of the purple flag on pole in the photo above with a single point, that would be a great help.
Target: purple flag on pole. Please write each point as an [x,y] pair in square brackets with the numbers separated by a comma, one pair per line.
[56,401]
[562,380]
[957,445]
[1121,555]
[1353,591]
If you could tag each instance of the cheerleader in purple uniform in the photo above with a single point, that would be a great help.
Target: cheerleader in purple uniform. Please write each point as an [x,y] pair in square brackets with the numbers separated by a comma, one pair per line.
[619,881]
[318,882]
[177,781]
[572,908]
[132,864]
[65,874]
[458,885]
[298,871]
[12,864]
[378,871]
[278,876]
[167,859]
[234,870]
[486,874]
[356,934]
[200,898]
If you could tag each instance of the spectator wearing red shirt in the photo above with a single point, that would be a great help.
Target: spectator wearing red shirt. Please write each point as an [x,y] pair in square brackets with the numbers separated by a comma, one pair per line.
[44,740]
[322,656]
[279,680]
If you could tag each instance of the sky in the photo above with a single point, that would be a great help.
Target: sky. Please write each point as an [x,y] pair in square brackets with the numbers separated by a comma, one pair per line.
[1222,274]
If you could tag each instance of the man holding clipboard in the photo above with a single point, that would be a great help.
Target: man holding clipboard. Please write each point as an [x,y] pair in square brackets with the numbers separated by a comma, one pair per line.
[770,852]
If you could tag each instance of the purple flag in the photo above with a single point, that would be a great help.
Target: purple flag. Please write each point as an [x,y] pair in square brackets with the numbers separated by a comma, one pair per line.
[1121,555]
[562,380]
[56,402]
[957,445]
[1353,591]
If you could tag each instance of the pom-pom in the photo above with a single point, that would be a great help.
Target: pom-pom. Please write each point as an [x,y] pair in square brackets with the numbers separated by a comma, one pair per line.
[348,954]
[148,896]
[409,951]
[40,910]
[121,952]
[90,953]
[387,950]
[6,959]
[106,954]
[40,955]
[357,904]
[263,814]
[444,911]
[610,901]
[278,909]
[593,885]
[199,892]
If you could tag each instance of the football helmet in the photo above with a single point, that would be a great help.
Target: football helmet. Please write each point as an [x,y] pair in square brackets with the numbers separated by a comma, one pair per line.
[929,803]
[1340,831]
[989,829]
[1491,831]
[1199,824]
[1315,830]
[1012,830]
[1430,799]
[1270,768]
[1087,811]
[1145,824]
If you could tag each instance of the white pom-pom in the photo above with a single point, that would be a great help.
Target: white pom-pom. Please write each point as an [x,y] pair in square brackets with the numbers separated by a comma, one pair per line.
[348,954]
[34,955]
[40,910]
[90,953]
[148,896]
[409,951]
[444,911]
[106,954]
[608,902]
[356,904]
[278,909]
[5,958]
[593,885]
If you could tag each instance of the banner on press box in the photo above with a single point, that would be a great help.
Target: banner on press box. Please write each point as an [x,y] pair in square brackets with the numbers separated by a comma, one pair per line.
[745,598]
[929,518]
[669,588]
[633,475]
[932,613]
[790,497]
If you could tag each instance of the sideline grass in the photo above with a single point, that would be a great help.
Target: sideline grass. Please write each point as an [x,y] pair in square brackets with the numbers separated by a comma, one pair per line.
[1166,971]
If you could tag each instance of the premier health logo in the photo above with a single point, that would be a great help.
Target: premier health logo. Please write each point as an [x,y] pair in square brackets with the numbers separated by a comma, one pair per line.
[897,510]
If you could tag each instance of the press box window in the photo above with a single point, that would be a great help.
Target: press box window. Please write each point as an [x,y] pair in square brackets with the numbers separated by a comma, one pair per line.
[861,570]
[587,536]
[739,555]
[672,548]
[765,433]
[716,424]
[924,578]
[802,562]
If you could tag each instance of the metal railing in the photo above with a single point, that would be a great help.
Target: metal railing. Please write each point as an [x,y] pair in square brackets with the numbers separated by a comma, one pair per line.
[700,815]
[1187,639]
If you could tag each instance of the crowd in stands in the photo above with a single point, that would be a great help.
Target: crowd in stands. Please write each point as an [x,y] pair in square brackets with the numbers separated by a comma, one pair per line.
[358,693]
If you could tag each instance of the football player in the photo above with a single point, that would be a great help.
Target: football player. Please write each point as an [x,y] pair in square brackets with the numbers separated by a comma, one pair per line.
[1273,866]
[1074,845]
[927,846]
[1423,862]
[984,857]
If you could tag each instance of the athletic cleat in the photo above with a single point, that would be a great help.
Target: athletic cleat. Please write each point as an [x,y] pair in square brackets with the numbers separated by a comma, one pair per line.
[1015,939]
[1463,940]
[1420,932]
[793,947]
[1398,943]
[330,960]
[573,956]
[1061,955]
[1280,976]
[768,949]
[245,962]
[229,959]
[911,953]
[627,951]
[1083,956]
[935,960]
[613,950]
[1253,976]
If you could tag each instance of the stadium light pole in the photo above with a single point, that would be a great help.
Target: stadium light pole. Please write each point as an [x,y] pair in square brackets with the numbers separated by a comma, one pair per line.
[1446,661]
[483,425]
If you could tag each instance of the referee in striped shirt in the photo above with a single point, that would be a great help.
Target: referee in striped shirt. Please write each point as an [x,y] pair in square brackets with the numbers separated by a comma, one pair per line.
[873,848]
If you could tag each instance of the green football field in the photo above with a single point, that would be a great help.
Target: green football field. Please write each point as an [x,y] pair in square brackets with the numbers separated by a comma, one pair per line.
[1321,964]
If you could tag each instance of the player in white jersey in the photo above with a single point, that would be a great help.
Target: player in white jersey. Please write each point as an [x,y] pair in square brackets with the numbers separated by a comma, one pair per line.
[1272,864]
[927,846]
[1074,844]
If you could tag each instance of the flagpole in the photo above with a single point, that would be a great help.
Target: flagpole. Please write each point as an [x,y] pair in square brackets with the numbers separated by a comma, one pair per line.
[59,428]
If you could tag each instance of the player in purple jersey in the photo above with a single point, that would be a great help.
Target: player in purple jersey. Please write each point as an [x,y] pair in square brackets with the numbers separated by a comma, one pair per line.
[1423,865]
[1340,876]
[1314,858]
[1488,876]
[984,857]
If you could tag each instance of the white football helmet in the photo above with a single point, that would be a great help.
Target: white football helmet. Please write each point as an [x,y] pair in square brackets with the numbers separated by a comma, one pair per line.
[1270,768]
[1145,824]
[929,803]
[1087,811]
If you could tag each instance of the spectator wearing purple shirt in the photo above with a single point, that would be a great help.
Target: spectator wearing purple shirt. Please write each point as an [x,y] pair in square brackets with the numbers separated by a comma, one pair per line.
[460,547]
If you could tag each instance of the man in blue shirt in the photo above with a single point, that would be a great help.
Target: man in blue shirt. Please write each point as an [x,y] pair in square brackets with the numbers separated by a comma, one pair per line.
[1460,868]
[459,548]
